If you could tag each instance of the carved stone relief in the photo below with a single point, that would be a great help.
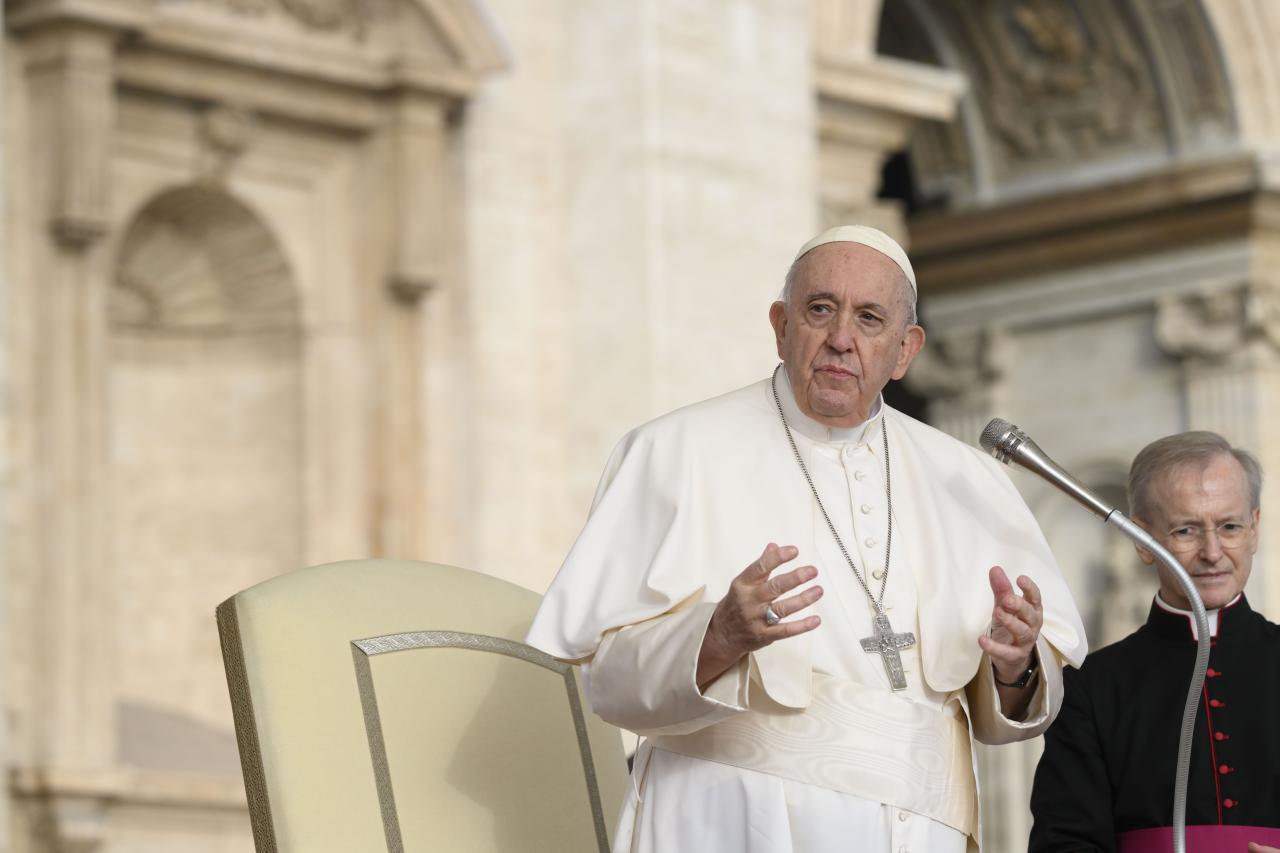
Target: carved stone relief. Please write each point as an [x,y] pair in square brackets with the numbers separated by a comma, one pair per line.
[1061,79]
[1056,84]
[225,134]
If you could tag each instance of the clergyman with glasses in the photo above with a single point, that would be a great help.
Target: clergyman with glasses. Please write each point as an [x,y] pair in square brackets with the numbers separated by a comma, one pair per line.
[799,596]
[1105,780]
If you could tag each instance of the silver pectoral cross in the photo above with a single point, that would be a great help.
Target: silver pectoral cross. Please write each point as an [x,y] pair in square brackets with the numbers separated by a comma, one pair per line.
[887,644]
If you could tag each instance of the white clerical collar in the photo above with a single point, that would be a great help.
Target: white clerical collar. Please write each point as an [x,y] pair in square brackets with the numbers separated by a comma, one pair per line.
[1191,619]
[807,426]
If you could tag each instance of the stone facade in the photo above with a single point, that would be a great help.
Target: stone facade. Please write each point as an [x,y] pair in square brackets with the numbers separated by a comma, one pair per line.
[288,281]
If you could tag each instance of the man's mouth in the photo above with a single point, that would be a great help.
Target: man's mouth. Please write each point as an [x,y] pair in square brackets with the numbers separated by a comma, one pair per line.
[837,372]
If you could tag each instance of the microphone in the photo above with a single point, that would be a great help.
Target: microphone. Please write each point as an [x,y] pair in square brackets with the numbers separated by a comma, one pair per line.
[1009,444]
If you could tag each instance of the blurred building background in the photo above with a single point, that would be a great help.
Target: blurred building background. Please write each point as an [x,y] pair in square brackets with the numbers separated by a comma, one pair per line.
[291,281]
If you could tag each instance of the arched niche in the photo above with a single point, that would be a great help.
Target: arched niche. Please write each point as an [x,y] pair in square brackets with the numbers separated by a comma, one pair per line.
[204,457]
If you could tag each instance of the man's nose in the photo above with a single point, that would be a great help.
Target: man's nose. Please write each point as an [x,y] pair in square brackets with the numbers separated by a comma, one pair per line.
[1210,545]
[840,335]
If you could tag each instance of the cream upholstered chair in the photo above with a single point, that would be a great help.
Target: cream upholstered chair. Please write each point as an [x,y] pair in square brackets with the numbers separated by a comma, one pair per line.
[391,705]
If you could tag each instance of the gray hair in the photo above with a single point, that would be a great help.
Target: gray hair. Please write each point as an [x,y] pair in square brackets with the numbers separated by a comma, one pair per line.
[1195,449]
[908,297]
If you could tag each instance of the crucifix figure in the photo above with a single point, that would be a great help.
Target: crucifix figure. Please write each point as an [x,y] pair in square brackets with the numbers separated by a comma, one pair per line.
[887,644]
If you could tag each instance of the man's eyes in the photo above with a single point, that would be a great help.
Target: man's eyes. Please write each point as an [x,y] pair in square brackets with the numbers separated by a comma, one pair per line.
[823,309]
[1191,531]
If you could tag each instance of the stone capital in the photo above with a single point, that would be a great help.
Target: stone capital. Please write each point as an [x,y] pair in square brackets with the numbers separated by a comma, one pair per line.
[1220,326]
[958,366]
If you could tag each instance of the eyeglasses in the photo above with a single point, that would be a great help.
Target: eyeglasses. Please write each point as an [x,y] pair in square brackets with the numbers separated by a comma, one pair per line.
[1190,537]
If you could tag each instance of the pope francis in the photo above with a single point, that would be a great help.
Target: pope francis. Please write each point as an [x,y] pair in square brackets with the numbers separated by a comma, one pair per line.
[825,697]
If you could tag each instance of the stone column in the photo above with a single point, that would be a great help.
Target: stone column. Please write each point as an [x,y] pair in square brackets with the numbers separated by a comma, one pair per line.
[1227,341]
[67,715]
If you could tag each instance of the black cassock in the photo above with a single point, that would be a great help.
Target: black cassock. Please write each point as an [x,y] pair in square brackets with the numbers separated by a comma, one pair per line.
[1109,758]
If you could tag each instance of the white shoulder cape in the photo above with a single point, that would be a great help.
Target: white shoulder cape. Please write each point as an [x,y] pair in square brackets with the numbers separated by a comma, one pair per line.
[687,501]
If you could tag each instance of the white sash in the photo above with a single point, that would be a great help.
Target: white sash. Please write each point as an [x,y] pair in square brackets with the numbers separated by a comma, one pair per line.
[854,739]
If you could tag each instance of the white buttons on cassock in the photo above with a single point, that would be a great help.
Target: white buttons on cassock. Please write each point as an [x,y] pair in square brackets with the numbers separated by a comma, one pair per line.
[902,815]
[878,574]
[866,509]
[859,475]
[848,451]
[870,542]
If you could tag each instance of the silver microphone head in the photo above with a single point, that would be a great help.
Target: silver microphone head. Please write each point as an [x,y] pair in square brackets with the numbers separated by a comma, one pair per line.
[1001,438]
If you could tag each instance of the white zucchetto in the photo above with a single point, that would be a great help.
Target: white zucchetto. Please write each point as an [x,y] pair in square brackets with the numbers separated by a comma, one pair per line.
[867,236]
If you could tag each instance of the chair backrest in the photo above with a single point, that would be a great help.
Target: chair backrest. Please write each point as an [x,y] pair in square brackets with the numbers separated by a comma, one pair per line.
[391,705]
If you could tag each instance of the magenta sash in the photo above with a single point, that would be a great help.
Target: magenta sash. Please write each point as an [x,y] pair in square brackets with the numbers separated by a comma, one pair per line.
[1200,839]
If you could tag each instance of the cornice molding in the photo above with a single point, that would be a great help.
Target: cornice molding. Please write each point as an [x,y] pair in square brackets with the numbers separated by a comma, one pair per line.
[1196,203]
[299,71]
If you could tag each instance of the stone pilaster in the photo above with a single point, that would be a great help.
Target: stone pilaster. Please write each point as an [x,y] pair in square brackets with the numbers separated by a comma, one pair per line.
[1227,342]
[417,138]
[68,60]
[69,54]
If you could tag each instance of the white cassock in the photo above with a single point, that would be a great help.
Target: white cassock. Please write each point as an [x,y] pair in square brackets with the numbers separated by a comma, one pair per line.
[802,747]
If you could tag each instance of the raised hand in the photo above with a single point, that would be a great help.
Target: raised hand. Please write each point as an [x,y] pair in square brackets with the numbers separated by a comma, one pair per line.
[739,625]
[1015,625]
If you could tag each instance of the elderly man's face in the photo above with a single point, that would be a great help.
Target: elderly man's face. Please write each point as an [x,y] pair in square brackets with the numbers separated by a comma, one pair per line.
[1195,508]
[843,334]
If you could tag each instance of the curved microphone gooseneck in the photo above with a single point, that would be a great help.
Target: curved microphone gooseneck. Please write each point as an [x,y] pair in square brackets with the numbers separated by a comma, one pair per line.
[1009,444]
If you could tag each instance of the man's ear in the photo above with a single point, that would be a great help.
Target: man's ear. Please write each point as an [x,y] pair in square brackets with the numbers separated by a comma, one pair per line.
[912,343]
[778,319]
[1144,555]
